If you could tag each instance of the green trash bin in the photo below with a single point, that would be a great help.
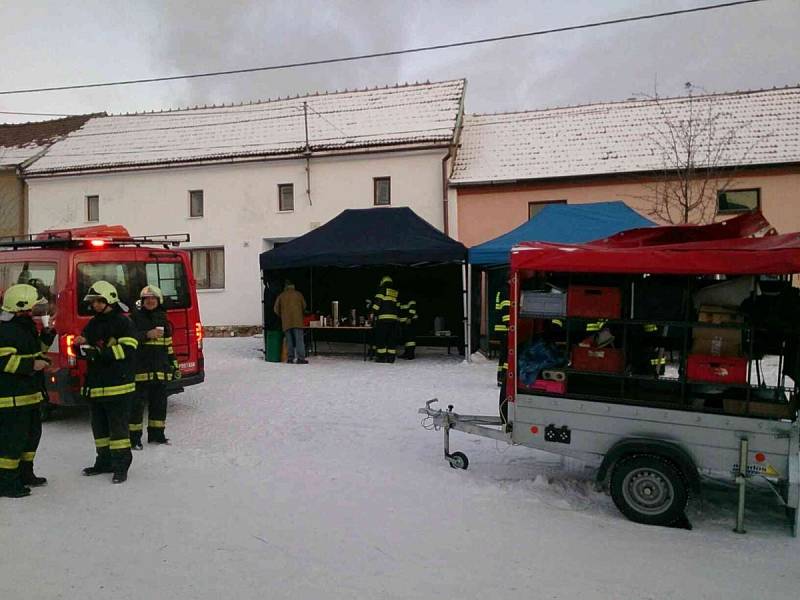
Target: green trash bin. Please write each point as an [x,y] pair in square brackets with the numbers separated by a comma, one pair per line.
[274,343]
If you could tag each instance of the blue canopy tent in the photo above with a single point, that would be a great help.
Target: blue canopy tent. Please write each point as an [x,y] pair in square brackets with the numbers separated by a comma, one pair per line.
[565,223]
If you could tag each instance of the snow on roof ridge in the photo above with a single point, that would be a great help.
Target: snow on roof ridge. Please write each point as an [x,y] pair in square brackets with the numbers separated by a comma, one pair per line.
[314,94]
[638,100]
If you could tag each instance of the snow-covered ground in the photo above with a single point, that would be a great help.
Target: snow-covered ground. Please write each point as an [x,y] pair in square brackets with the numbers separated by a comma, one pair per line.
[289,481]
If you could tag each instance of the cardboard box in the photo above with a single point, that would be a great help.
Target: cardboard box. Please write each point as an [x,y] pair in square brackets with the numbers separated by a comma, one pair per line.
[713,341]
[716,341]
[719,315]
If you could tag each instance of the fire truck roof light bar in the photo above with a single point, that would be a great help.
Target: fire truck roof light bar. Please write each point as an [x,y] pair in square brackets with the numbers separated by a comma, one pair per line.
[65,239]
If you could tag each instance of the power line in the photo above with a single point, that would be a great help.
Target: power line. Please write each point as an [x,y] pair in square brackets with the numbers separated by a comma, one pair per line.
[328,61]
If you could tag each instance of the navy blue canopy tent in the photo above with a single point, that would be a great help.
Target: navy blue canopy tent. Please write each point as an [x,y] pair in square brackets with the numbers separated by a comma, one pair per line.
[564,223]
[344,259]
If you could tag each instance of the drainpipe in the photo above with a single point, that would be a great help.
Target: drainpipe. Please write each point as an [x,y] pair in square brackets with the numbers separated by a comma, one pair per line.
[445,207]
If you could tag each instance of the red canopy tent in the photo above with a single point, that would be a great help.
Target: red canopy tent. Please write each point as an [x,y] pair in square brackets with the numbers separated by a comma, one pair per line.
[675,250]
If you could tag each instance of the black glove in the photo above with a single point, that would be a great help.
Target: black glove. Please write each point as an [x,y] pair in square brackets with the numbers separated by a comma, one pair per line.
[90,353]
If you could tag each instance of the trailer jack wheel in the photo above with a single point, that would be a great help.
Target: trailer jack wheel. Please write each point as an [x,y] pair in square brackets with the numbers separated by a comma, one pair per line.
[458,460]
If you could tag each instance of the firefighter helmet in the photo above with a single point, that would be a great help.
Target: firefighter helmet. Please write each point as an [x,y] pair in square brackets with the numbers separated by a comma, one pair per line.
[21,297]
[102,290]
[152,291]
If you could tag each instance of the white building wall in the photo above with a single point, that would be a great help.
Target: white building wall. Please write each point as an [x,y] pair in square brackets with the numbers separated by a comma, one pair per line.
[240,208]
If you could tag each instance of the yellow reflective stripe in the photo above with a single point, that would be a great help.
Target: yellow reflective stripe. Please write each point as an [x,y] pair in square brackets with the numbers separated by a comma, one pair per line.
[387,317]
[500,328]
[159,342]
[102,442]
[506,318]
[391,294]
[28,456]
[136,427]
[129,341]
[411,344]
[13,364]
[156,424]
[649,328]
[380,297]
[118,351]
[170,350]
[658,361]
[7,351]
[9,401]
[505,303]
[9,463]
[119,444]
[391,350]
[151,376]
[557,322]
[112,390]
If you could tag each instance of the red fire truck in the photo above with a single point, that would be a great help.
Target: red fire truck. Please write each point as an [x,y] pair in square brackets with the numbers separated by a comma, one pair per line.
[62,265]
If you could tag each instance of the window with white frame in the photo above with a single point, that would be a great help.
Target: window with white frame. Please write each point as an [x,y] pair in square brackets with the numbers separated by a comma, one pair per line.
[285,197]
[196,203]
[382,191]
[208,265]
[93,209]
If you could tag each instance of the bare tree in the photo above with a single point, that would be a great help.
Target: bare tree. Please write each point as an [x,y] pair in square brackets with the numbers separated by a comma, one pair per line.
[698,147]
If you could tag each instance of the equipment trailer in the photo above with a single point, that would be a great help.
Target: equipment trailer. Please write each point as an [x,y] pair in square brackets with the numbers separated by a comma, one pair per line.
[653,432]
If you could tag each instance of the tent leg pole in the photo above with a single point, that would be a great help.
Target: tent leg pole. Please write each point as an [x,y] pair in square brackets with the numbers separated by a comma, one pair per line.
[469,313]
[464,295]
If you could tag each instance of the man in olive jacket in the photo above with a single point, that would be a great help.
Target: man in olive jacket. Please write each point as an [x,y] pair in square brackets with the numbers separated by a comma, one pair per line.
[290,307]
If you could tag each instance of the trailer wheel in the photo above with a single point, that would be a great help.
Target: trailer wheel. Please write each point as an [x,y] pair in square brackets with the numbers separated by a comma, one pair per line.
[649,489]
[458,460]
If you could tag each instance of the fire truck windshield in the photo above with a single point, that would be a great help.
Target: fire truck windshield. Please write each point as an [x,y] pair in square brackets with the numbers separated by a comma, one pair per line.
[130,277]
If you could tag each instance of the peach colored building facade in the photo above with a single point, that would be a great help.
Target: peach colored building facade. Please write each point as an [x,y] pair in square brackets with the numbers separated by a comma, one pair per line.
[487,211]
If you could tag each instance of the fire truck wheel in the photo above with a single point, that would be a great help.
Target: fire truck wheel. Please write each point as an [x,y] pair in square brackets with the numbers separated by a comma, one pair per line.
[649,489]
[458,460]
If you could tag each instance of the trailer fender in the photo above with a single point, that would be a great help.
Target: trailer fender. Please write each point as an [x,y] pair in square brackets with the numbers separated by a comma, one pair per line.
[634,446]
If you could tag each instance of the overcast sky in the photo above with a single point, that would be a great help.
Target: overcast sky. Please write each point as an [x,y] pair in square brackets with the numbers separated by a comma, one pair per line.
[52,42]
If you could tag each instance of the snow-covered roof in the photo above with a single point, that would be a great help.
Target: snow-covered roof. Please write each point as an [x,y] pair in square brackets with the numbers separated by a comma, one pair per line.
[20,142]
[623,137]
[402,115]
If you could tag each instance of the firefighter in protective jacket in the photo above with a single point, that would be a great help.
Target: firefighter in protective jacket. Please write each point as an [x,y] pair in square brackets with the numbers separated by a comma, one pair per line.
[502,307]
[155,366]
[384,308]
[408,321]
[109,344]
[21,391]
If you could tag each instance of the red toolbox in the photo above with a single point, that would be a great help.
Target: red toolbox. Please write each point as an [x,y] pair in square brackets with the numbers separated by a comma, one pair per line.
[601,360]
[594,301]
[716,369]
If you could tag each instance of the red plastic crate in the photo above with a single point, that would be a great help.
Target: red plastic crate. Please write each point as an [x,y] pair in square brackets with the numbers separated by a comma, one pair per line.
[547,386]
[717,369]
[594,301]
[601,360]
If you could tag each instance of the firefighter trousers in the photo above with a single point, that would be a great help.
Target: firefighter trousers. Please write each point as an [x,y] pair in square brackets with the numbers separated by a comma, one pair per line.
[502,363]
[386,337]
[110,428]
[34,435]
[14,425]
[154,396]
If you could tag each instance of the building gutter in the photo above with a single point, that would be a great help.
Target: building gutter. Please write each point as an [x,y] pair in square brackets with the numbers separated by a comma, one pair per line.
[658,173]
[233,160]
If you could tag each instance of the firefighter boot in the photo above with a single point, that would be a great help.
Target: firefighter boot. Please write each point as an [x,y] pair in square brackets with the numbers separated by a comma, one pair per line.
[28,477]
[136,440]
[16,490]
[102,464]
[155,435]
[122,460]
[409,353]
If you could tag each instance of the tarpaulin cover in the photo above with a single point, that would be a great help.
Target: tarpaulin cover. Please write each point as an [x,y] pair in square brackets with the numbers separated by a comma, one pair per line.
[774,254]
[744,225]
[374,236]
[563,223]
